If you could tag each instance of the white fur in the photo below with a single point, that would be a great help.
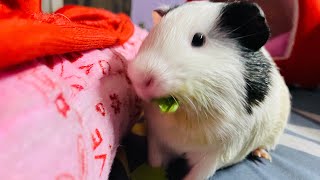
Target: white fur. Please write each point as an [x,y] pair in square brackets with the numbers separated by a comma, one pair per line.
[211,125]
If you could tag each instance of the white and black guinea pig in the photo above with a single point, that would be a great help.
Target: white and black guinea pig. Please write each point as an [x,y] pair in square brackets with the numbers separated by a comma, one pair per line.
[233,101]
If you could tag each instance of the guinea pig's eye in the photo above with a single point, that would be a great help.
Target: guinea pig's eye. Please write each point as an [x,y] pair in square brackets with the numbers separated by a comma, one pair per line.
[198,40]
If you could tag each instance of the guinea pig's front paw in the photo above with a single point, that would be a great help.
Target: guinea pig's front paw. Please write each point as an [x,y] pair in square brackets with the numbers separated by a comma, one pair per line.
[262,153]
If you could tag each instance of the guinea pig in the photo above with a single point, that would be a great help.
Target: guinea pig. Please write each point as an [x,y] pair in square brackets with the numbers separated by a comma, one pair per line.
[233,101]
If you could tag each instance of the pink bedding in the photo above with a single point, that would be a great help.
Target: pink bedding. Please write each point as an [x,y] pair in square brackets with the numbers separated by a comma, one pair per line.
[61,117]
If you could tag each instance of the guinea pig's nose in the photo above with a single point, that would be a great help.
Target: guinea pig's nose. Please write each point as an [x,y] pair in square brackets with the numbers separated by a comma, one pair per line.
[148,82]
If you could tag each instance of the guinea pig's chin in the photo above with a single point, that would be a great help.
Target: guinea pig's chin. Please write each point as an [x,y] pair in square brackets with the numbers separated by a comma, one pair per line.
[148,95]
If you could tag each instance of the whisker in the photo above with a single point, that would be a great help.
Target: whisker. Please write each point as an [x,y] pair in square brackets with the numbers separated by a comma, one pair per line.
[250,35]
[192,104]
[247,22]
[195,109]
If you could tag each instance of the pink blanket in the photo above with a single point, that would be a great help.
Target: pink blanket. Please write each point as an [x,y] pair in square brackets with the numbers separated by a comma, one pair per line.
[61,117]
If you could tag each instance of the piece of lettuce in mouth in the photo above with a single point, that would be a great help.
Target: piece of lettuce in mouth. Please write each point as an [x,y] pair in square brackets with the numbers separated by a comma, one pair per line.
[168,104]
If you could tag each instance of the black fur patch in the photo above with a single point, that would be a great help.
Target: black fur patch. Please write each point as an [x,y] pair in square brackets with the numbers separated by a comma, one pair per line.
[243,22]
[177,169]
[257,78]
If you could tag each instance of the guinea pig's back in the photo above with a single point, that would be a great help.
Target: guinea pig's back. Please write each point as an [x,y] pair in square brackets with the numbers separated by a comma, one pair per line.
[272,115]
[268,119]
[280,105]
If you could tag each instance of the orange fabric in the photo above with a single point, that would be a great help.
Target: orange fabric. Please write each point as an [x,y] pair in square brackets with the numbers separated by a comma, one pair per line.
[27,33]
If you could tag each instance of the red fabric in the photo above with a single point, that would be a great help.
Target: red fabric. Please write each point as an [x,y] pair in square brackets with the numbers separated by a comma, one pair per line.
[303,66]
[28,33]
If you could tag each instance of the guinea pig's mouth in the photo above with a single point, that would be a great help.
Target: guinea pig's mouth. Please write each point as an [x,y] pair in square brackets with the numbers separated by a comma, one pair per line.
[168,104]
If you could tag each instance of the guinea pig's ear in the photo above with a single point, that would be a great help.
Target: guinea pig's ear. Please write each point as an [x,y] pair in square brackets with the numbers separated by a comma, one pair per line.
[156,17]
[160,12]
[246,23]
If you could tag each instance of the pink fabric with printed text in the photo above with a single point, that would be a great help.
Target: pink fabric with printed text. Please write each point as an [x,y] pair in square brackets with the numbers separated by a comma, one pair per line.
[62,116]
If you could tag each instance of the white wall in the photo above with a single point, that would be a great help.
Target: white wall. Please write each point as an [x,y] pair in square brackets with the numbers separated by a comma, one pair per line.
[141,10]
[51,5]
